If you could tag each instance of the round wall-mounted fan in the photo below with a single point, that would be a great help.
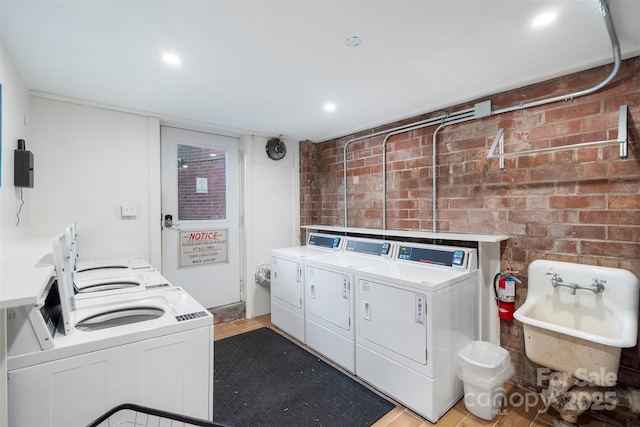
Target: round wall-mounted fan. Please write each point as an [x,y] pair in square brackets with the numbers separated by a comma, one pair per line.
[276,149]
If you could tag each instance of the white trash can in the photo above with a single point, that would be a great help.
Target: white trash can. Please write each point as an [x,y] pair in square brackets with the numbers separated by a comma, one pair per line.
[483,368]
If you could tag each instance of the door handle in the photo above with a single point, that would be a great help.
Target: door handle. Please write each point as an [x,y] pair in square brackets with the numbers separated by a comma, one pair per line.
[313,291]
[366,313]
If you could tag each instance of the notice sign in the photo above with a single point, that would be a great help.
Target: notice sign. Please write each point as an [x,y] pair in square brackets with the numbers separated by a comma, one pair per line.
[201,247]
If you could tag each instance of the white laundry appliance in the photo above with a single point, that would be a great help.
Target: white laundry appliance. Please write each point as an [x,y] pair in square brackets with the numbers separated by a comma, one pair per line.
[287,281]
[153,348]
[413,317]
[128,275]
[101,266]
[330,295]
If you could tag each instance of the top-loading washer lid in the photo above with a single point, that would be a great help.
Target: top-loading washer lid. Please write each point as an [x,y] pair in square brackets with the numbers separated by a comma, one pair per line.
[119,317]
[108,286]
[103,267]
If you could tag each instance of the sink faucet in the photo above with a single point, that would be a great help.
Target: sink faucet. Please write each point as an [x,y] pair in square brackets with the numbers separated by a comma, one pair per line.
[597,285]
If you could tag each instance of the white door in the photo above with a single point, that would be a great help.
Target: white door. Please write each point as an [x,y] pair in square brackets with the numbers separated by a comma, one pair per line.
[201,214]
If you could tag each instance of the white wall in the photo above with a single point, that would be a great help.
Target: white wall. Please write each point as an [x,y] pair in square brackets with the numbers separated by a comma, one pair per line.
[272,200]
[88,161]
[15,116]
[15,121]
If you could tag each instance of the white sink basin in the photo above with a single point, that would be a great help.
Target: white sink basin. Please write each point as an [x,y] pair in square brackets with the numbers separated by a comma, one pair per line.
[579,331]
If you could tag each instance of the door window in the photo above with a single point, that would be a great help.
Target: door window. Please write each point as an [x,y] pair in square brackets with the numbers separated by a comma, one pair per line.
[202,183]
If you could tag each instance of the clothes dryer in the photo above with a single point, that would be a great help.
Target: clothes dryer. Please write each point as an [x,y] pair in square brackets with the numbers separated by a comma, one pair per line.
[413,317]
[287,281]
[330,295]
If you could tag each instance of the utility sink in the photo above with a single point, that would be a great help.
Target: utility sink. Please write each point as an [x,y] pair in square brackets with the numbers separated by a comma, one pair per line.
[577,318]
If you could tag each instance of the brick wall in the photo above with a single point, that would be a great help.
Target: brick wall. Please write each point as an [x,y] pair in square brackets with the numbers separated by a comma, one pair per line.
[201,164]
[576,205]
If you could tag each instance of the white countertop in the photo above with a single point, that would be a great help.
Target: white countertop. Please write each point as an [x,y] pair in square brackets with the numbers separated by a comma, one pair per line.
[413,234]
[26,267]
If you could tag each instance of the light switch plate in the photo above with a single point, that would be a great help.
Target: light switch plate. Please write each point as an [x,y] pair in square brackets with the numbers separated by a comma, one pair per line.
[129,209]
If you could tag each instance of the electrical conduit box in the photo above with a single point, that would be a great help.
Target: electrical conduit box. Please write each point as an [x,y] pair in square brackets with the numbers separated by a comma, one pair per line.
[23,166]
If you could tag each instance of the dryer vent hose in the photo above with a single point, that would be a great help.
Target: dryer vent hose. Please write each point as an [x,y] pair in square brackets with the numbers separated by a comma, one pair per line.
[263,275]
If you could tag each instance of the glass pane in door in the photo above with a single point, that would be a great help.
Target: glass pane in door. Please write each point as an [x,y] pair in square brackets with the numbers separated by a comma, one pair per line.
[202,183]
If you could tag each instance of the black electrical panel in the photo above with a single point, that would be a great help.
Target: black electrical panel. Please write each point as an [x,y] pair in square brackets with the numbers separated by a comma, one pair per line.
[23,166]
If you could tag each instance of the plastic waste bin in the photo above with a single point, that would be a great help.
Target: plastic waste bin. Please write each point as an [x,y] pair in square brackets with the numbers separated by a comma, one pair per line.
[483,368]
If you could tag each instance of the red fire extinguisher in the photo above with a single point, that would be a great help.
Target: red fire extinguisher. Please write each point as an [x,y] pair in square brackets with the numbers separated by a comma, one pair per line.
[504,285]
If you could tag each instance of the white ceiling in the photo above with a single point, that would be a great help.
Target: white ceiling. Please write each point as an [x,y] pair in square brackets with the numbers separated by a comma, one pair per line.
[268,67]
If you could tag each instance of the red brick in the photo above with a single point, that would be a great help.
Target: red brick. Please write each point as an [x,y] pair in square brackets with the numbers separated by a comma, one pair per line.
[573,112]
[577,202]
[626,233]
[577,231]
[629,201]
[556,174]
[610,217]
[611,249]
[557,129]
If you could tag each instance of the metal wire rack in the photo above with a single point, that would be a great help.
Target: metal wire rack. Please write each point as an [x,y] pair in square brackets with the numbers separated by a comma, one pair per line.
[130,415]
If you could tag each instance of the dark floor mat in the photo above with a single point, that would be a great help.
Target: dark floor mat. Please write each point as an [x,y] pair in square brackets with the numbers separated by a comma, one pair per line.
[263,379]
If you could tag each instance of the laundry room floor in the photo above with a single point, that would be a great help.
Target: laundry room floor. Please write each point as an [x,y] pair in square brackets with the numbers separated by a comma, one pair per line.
[457,416]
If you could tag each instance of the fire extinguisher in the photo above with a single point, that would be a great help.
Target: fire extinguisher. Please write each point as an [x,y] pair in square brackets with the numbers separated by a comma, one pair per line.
[504,286]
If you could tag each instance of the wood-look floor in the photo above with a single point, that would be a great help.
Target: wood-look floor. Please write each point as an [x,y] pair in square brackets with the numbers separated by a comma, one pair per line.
[457,416]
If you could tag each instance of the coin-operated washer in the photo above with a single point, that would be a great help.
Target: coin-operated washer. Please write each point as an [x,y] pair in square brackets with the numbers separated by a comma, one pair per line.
[330,297]
[94,268]
[287,281]
[413,317]
[69,363]
[106,277]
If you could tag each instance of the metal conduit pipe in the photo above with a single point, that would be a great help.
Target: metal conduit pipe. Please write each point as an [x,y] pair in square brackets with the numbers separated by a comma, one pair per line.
[615,45]
[408,127]
[435,166]
[617,58]
[465,113]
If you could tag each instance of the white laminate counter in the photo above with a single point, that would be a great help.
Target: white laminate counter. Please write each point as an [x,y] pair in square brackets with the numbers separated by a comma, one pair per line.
[25,269]
[487,238]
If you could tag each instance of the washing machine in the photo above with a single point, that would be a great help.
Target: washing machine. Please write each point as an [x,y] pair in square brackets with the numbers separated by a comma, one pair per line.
[151,348]
[94,268]
[287,281]
[131,275]
[330,295]
[413,316]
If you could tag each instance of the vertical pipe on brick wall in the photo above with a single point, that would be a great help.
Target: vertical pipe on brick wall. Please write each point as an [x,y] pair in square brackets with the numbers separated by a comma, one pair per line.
[434,165]
[373,135]
[457,117]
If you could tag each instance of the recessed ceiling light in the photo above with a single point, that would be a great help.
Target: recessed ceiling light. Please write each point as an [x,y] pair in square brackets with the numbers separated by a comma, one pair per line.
[544,19]
[353,41]
[171,58]
[329,106]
